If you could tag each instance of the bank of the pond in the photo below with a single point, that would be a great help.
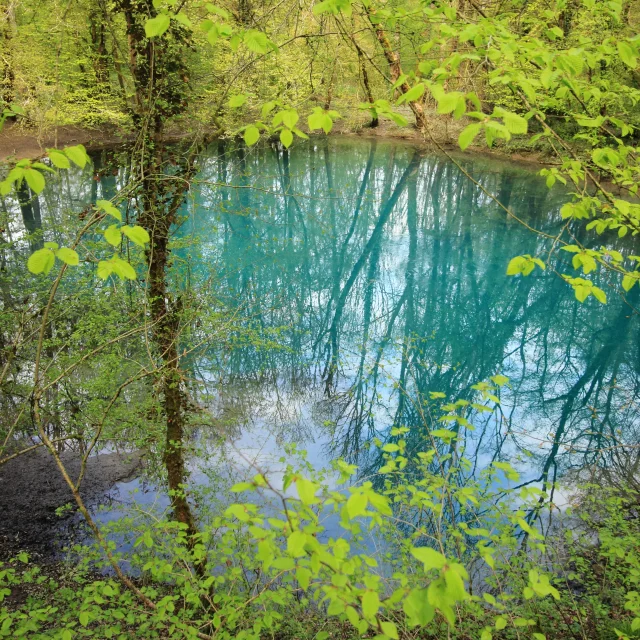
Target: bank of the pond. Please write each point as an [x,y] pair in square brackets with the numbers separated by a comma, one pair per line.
[33,495]
[17,141]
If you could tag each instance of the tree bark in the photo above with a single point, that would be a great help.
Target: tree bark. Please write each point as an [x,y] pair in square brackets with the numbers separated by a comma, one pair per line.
[159,75]
[393,59]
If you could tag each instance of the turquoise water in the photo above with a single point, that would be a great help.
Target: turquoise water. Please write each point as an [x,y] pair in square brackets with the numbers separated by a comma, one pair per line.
[364,276]
[374,274]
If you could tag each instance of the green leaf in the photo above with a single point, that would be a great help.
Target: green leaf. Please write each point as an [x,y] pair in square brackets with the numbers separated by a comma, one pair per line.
[589,122]
[109,208]
[183,19]
[105,269]
[417,608]
[454,579]
[136,234]
[237,101]
[123,269]
[68,256]
[628,281]
[516,265]
[468,135]
[256,41]
[398,118]
[213,34]
[581,292]
[448,102]
[444,434]
[307,490]
[500,380]
[239,512]
[58,159]
[290,118]
[353,617]
[521,622]
[390,630]
[34,179]
[234,41]
[627,54]
[267,108]
[370,604]
[508,470]
[431,558]
[286,137]
[155,27]
[316,119]
[303,576]
[41,261]
[218,11]
[501,622]
[77,155]
[286,564]
[295,544]
[599,295]
[251,135]
[357,504]
[242,486]
[84,618]
[415,93]
[514,123]
[112,235]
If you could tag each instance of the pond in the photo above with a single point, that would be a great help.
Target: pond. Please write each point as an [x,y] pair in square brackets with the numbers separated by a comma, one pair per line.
[379,273]
[370,277]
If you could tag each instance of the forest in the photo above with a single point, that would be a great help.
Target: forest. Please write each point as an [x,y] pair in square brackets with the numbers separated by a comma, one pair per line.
[319,320]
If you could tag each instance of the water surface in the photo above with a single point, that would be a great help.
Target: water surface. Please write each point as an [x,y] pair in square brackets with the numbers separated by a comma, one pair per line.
[372,275]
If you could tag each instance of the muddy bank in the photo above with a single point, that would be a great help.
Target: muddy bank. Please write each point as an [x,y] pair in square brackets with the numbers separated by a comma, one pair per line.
[18,142]
[31,489]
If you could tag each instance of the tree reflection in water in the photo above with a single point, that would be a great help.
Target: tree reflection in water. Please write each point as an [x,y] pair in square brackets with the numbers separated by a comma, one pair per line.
[372,275]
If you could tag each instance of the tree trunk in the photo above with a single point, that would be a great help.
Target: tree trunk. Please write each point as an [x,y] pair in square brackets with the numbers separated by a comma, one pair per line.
[98,49]
[393,59]
[367,87]
[160,78]
[7,88]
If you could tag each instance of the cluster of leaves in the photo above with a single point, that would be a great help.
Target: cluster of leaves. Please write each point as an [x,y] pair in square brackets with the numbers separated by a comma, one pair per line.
[270,563]
[283,122]
[42,260]
[32,172]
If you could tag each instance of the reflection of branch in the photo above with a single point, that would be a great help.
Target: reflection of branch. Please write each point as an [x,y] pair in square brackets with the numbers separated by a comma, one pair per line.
[385,212]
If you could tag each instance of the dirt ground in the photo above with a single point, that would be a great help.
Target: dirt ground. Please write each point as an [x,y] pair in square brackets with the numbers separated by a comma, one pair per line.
[32,488]
[17,142]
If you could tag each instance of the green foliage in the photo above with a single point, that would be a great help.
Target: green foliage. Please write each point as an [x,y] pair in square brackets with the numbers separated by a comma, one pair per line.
[383,108]
[155,27]
[279,563]
[42,261]
[524,265]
